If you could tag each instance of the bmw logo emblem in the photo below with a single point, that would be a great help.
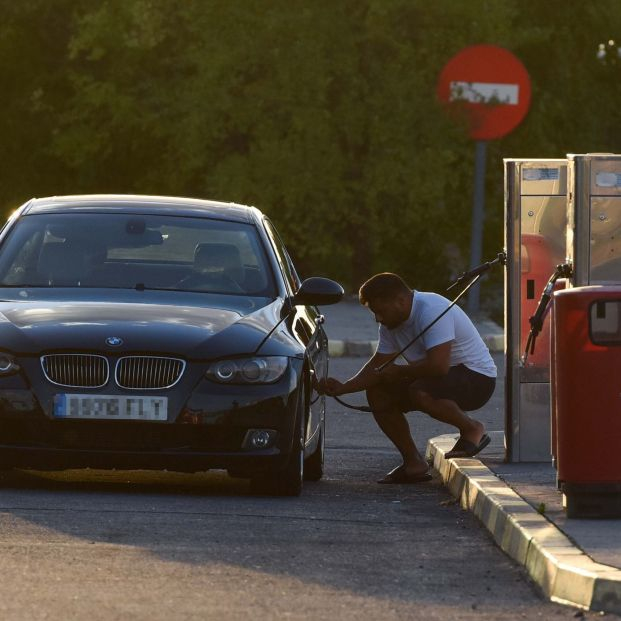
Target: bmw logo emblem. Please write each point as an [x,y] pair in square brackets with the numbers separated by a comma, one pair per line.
[114,341]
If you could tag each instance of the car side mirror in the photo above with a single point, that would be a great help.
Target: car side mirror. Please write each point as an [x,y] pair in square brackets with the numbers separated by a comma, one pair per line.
[318,291]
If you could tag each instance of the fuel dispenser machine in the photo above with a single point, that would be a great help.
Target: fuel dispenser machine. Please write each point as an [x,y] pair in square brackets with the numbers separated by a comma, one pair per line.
[587,342]
[594,212]
[535,243]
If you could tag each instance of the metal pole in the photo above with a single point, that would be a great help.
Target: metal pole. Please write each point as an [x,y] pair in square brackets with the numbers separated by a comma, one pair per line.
[478,217]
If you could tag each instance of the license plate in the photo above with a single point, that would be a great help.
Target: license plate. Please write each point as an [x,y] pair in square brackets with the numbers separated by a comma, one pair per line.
[110,407]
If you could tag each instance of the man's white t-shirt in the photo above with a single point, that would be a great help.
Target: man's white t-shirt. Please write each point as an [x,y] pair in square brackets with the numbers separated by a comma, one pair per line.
[467,347]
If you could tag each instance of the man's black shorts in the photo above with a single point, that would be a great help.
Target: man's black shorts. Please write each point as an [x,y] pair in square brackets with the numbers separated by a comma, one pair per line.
[469,389]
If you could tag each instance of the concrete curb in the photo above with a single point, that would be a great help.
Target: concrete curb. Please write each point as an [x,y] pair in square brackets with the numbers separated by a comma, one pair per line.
[563,571]
[338,348]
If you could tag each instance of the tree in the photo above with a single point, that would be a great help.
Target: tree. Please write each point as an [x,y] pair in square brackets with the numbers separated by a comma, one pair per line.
[323,114]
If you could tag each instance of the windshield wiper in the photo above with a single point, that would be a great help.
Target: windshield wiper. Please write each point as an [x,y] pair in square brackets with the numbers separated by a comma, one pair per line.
[141,287]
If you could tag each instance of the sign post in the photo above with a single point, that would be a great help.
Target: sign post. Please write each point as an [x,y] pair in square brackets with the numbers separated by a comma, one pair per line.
[489,88]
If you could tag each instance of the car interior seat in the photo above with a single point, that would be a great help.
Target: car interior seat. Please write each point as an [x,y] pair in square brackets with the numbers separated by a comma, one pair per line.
[217,266]
[62,263]
[219,258]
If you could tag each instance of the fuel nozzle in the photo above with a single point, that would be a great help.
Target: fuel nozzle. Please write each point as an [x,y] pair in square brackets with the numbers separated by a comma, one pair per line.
[564,270]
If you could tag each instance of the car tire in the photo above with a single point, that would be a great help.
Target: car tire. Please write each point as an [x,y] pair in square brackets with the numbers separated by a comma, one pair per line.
[289,481]
[313,466]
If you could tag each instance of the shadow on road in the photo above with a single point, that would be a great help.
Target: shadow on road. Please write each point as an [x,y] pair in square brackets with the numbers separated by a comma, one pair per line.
[214,483]
[336,535]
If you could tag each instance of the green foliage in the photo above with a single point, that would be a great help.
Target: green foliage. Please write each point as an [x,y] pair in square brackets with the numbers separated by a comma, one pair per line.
[323,114]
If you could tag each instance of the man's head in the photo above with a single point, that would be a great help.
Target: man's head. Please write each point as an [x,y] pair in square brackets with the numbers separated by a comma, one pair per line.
[388,297]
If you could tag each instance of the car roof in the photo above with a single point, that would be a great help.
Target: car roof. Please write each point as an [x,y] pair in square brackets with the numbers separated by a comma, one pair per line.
[142,204]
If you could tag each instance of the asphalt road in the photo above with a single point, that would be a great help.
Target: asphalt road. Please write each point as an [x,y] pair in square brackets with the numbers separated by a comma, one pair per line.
[136,545]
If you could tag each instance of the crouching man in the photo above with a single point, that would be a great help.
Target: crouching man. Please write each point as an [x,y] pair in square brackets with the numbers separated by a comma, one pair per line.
[449,371]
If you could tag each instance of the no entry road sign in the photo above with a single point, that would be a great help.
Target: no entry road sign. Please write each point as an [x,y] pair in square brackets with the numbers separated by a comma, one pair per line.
[490,85]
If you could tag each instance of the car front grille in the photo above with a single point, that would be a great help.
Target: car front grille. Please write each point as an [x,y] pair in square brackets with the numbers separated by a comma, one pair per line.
[93,371]
[76,370]
[139,372]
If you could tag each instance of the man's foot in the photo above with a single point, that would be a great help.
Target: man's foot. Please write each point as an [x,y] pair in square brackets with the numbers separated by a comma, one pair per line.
[465,448]
[474,433]
[470,441]
[403,475]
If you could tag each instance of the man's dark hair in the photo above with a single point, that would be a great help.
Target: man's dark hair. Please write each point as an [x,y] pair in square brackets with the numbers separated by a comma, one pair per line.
[384,286]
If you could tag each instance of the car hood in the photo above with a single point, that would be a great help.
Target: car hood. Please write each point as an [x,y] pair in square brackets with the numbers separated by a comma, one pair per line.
[214,327]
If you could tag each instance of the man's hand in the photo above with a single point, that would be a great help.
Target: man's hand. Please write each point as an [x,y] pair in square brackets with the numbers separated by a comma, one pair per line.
[366,378]
[331,387]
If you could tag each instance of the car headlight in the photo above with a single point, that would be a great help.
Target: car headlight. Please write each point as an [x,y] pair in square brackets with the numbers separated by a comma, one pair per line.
[8,364]
[258,370]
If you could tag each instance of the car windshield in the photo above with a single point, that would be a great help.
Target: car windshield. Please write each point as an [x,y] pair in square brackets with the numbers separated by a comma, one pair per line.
[120,250]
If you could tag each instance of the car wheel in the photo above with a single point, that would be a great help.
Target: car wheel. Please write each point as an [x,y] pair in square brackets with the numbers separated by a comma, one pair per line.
[291,479]
[313,466]
[287,482]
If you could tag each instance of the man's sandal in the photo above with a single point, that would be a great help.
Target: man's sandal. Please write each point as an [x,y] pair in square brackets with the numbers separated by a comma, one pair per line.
[465,448]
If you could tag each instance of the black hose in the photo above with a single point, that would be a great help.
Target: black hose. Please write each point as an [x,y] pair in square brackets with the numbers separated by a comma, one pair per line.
[360,408]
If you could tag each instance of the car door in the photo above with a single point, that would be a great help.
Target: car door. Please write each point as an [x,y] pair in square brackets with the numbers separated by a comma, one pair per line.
[306,325]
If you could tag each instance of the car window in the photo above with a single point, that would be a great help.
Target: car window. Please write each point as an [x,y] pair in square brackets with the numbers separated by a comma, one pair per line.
[286,265]
[124,250]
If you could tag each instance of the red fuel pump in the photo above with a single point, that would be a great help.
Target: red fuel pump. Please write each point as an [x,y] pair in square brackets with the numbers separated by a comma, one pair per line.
[587,399]
[537,263]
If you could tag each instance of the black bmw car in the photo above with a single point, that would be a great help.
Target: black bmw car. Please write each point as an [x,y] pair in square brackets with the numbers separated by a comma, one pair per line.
[161,333]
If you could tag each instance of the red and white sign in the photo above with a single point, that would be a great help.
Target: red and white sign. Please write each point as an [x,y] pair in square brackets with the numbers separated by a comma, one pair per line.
[490,85]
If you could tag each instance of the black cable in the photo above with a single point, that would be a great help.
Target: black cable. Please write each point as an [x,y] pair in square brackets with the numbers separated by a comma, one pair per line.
[360,408]
[501,257]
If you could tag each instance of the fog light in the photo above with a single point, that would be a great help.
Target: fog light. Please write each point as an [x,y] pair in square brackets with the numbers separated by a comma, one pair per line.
[259,438]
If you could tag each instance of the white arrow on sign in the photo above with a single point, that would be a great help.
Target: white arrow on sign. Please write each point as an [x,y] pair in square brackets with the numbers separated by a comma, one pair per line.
[485,92]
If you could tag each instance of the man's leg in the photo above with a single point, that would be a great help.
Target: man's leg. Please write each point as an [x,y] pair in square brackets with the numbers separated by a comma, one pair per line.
[395,425]
[449,412]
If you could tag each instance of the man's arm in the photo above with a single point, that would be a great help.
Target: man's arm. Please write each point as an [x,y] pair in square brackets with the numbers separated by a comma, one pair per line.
[366,378]
[436,362]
